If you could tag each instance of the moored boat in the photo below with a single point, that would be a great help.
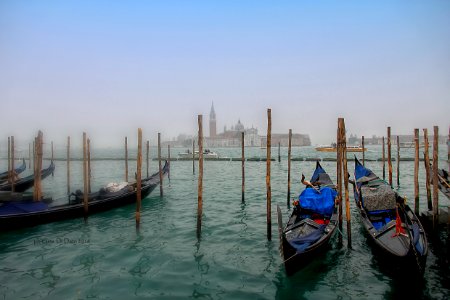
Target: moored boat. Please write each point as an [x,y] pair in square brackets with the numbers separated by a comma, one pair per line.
[313,222]
[23,184]
[17,214]
[333,148]
[389,222]
[206,154]
[18,170]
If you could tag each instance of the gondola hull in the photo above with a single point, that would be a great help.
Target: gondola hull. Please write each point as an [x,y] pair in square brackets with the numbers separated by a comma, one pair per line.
[23,184]
[395,231]
[76,210]
[18,170]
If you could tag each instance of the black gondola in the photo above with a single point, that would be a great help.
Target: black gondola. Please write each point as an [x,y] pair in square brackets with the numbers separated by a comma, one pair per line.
[29,213]
[23,184]
[313,222]
[18,170]
[389,222]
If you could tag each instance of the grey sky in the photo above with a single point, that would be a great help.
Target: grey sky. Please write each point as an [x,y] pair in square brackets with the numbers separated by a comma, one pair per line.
[108,68]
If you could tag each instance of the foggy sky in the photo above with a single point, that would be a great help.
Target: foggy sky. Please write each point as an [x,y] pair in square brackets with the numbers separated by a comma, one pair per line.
[109,67]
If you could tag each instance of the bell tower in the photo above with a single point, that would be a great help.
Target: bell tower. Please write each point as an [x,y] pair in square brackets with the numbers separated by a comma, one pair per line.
[212,122]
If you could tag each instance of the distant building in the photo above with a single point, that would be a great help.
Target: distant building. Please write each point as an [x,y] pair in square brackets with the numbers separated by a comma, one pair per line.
[232,137]
[212,122]
[297,140]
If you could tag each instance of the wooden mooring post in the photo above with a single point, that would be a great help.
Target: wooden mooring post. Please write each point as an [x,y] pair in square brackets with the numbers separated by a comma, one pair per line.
[85,177]
[383,158]
[139,179]
[200,176]
[389,155]
[435,176]
[168,161]
[9,160]
[89,164]
[268,187]
[363,152]
[193,156]
[126,159]
[68,165]
[13,172]
[159,166]
[243,166]
[37,191]
[426,160]
[147,157]
[416,171]
[339,176]
[398,161]
[279,152]
[29,155]
[289,169]
[52,158]
[345,177]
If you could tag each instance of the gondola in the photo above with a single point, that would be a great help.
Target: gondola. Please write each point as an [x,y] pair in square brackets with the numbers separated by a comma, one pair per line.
[18,170]
[30,213]
[313,222]
[23,184]
[391,225]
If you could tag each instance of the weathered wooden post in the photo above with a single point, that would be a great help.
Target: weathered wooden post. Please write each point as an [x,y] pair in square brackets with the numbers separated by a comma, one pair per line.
[448,152]
[279,152]
[383,158]
[416,171]
[13,173]
[138,179]
[89,164]
[148,151]
[52,158]
[289,169]
[29,155]
[363,152]
[389,155]
[193,156]
[37,191]
[159,166]
[168,158]
[200,176]
[68,165]
[345,172]
[243,166]
[9,159]
[85,177]
[426,161]
[268,187]
[398,161]
[339,175]
[435,177]
[126,159]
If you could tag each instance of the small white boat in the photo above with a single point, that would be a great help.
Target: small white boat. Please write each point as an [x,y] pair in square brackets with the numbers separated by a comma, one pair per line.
[333,148]
[206,154]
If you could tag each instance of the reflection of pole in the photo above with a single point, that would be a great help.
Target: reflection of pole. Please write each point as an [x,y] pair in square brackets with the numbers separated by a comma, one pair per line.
[289,169]
[138,179]
[268,161]
[416,171]
[200,176]
[427,169]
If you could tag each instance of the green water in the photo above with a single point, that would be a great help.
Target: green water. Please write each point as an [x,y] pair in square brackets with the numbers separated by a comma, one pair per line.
[106,258]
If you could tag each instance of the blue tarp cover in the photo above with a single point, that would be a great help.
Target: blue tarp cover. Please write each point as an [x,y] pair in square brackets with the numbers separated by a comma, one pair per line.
[321,203]
[12,208]
[301,243]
